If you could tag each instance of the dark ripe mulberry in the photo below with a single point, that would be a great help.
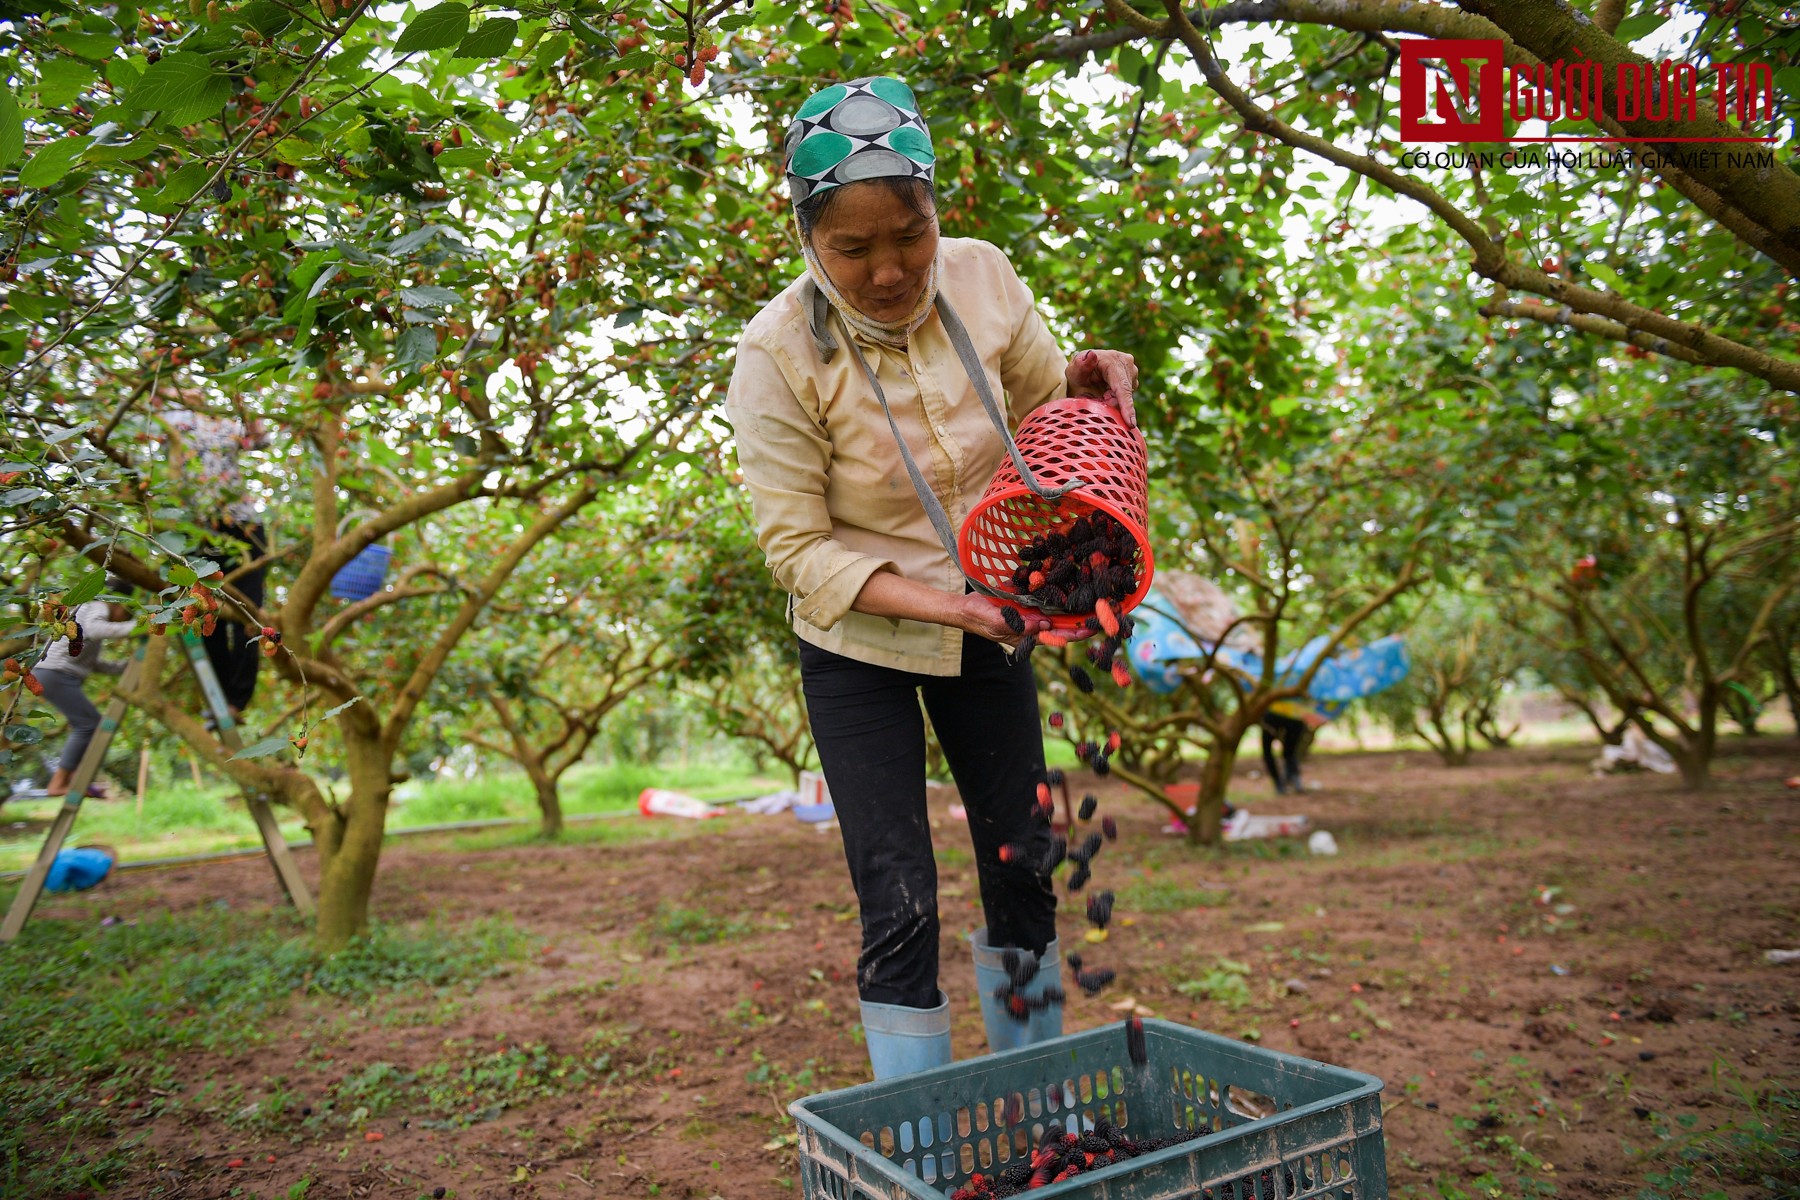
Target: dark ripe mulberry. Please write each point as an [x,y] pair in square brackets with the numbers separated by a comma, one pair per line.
[1020,968]
[1135,1043]
[1090,846]
[1052,997]
[1074,960]
[1092,624]
[1093,1143]
[1065,575]
[1082,597]
[1085,750]
[1078,878]
[1081,679]
[1127,625]
[1056,718]
[1110,828]
[1089,803]
[1050,596]
[1099,910]
[1059,850]
[1101,766]
[1094,981]
[1056,544]
[1054,777]
[1013,620]
[1101,654]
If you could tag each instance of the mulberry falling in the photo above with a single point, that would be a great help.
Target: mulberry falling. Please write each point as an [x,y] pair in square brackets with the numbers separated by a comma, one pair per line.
[1088,570]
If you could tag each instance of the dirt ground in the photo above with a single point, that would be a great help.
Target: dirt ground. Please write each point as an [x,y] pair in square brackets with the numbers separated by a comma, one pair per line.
[1539,964]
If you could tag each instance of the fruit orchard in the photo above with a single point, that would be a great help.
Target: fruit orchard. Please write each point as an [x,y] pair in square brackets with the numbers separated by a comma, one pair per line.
[475,273]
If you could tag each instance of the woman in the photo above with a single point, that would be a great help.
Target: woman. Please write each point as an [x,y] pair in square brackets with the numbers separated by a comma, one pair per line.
[864,347]
[63,670]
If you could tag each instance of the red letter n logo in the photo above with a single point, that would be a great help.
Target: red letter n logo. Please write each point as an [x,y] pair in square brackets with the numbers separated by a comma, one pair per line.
[1458,104]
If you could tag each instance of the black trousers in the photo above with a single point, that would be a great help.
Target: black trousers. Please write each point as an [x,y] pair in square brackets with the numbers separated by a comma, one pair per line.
[871,739]
[1291,732]
[234,657]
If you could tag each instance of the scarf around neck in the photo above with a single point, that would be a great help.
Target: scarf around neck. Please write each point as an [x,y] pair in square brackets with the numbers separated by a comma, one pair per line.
[888,333]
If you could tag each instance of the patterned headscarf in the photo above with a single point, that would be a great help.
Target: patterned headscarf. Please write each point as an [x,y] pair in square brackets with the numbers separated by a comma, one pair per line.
[869,128]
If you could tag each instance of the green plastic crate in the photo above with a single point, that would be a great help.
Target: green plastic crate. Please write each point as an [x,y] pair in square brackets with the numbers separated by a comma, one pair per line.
[1281,1127]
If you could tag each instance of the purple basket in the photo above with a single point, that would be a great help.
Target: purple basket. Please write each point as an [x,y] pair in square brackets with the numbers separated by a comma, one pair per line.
[361,577]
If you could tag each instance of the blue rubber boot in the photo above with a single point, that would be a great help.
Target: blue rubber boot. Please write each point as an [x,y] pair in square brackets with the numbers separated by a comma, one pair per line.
[902,1040]
[1003,1031]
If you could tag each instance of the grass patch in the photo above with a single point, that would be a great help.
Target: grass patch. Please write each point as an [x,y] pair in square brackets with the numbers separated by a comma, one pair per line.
[589,788]
[96,1014]
[176,819]
[694,927]
[1167,896]
[180,819]
[1758,1147]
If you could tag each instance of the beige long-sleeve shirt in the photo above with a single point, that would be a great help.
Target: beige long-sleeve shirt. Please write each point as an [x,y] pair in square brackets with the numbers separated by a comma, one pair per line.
[831,496]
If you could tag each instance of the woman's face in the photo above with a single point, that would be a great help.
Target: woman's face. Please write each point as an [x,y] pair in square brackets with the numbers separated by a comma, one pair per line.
[876,249]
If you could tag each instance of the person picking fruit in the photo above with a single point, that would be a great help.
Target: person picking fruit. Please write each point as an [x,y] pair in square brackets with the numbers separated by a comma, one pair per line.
[854,378]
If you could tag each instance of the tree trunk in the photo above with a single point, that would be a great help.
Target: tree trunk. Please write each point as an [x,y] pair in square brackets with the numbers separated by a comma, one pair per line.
[549,800]
[1696,764]
[347,878]
[1445,741]
[1215,783]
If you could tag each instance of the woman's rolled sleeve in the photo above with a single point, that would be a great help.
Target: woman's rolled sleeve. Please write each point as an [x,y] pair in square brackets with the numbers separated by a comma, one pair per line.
[785,457]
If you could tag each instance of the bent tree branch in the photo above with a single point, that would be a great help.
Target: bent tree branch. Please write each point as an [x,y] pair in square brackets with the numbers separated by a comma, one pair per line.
[1490,259]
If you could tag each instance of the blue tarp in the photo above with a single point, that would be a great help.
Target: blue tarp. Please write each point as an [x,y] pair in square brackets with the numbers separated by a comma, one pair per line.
[1162,642]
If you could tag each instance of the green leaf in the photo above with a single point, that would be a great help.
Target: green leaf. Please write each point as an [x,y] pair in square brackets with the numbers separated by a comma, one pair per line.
[62,79]
[180,83]
[21,495]
[32,307]
[416,345]
[23,735]
[325,277]
[96,46]
[435,28]
[1642,25]
[269,745]
[86,588]
[180,187]
[267,18]
[182,575]
[52,162]
[458,158]
[1604,274]
[332,712]
[1787,79]
[737,22]
[12,128]
[294,151]
[493,38]
[428,296]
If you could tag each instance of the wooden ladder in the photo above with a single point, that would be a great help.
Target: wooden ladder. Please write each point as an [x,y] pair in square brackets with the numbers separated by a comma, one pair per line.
[280,857]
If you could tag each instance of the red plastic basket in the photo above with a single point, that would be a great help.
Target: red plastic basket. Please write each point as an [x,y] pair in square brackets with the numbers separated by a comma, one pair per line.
[1061,440]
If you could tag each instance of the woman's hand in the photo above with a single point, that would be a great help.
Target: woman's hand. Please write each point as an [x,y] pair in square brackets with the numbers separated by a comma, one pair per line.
[978,615]
[1109,375]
